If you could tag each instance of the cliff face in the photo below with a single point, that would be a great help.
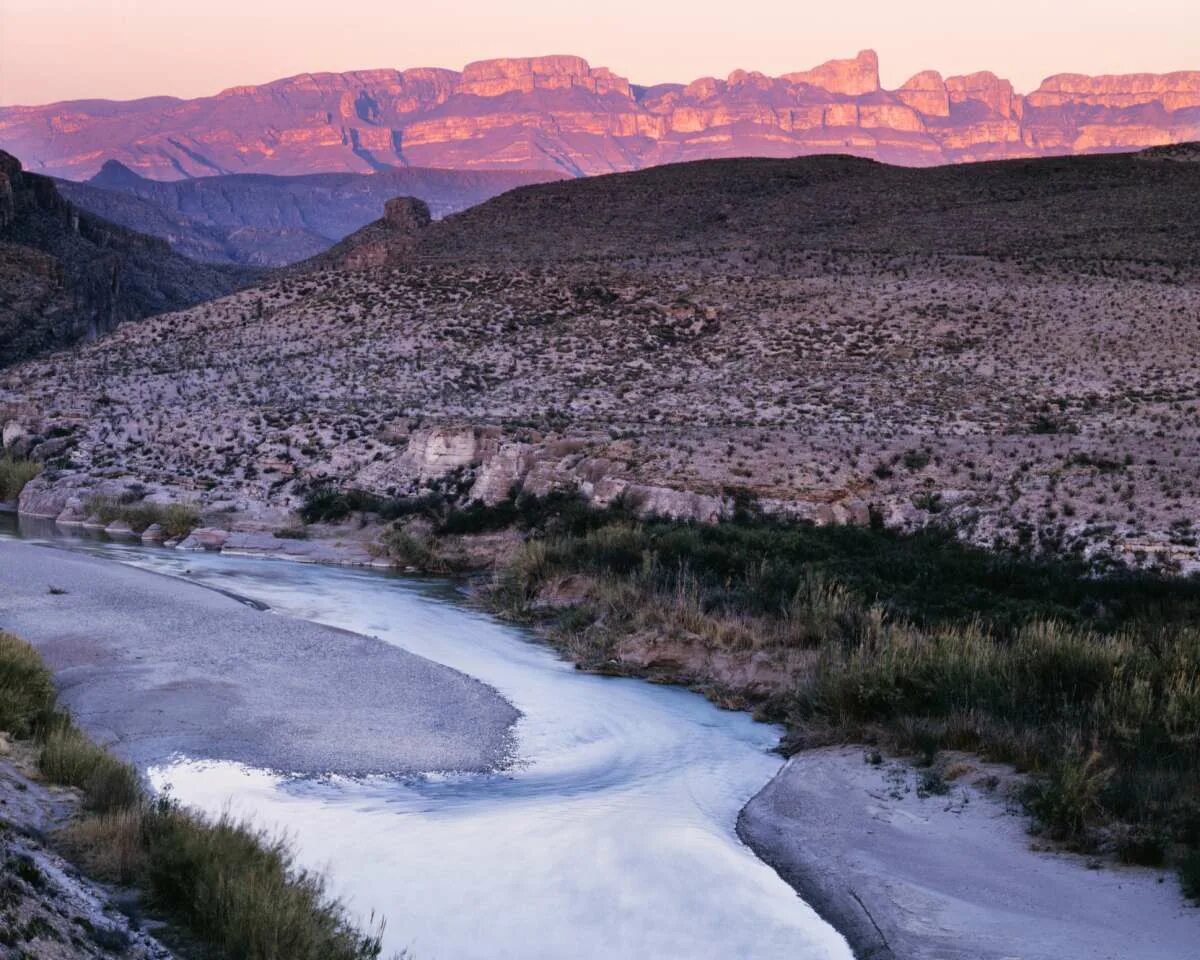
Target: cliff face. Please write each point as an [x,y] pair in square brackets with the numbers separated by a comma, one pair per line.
[559,113]
[66,275]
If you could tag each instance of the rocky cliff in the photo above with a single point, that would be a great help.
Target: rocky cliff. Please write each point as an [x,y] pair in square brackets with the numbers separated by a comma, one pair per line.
[66,275]
[559,113]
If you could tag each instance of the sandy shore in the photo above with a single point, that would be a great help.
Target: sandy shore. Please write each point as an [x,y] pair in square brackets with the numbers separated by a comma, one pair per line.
[156,666]
[907,876]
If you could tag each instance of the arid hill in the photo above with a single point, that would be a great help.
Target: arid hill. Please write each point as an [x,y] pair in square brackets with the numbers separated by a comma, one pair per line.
[1009,349]
[559,113]
[69,276]
[1120,207]
[271,221]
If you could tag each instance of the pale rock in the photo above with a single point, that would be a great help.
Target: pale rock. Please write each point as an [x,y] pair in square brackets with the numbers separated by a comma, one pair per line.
[204,538]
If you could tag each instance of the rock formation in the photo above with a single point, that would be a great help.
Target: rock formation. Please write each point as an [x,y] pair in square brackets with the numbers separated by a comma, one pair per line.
[558,113]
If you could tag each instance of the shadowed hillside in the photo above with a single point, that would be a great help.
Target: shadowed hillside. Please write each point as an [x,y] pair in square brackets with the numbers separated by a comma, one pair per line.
[1120,207]
[69,276]
[271,221]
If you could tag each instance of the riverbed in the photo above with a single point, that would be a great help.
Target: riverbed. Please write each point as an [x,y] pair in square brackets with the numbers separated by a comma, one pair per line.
[609,833]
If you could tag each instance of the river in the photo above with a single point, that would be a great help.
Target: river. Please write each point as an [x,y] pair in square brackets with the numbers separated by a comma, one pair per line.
[611,835]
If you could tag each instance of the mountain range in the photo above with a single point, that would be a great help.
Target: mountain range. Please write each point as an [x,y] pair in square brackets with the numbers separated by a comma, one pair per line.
[558,113]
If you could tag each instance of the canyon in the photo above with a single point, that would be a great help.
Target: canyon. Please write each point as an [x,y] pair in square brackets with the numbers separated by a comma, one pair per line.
[67,275]
[271,221]
[559,113]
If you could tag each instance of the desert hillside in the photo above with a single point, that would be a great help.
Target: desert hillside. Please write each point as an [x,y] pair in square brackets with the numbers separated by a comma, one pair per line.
[1007,349]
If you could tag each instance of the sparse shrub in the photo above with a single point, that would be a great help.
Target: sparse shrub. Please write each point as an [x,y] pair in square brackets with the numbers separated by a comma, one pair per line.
[176,519]
[15,472]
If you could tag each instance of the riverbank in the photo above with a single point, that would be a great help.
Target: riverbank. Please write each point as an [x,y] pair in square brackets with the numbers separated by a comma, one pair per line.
[907,883]
[911,866]
[47,902]
[642,783]
[226,887]
[216,678]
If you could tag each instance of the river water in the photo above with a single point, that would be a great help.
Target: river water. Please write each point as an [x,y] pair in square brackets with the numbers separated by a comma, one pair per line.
[611,835]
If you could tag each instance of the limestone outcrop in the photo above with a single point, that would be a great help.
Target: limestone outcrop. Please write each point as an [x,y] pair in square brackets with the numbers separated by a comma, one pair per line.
[560,114]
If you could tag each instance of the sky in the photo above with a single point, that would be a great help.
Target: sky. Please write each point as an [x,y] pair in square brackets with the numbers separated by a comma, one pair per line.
[120,49]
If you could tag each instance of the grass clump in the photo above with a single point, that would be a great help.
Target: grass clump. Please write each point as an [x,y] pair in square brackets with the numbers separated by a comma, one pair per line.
[233,888]
[27,694]
[176,519]
[15,472]
[68,756]
[1090,683]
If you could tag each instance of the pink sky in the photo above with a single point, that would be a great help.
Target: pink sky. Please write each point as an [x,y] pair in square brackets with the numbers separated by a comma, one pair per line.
[67,49]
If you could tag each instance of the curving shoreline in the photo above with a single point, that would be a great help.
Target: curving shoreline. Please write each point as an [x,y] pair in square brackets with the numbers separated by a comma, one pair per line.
[943,878]
[265,690]
[954,876]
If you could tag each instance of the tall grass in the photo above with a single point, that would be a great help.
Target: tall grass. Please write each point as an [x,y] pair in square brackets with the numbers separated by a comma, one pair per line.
[27,694]
[1090,683]
[15,472]
[232,887]
[176,519]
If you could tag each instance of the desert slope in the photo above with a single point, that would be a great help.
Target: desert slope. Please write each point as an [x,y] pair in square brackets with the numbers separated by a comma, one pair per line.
[1005,349]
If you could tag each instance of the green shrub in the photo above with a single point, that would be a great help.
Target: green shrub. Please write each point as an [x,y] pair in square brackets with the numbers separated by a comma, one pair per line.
[240,891]
[1068,799]
[1089,682]
[1189,874]
[15,472]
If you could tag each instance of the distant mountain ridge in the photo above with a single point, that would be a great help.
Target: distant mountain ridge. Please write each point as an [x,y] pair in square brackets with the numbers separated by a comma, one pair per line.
[559,113]
[270,220]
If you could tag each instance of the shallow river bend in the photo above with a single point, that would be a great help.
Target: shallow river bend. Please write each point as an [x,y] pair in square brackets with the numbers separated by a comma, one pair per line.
[611,836]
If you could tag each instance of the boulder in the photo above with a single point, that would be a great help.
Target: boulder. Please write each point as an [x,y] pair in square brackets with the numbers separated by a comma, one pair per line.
[13,431]
[205,538]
